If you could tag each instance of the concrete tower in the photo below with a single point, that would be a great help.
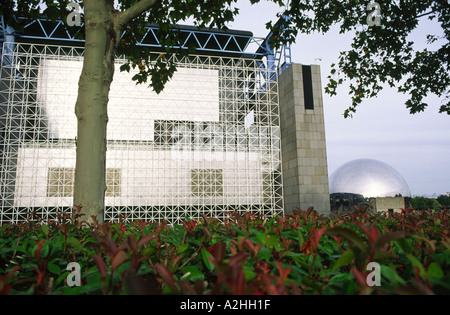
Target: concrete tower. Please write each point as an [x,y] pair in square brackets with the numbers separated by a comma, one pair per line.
[304,166]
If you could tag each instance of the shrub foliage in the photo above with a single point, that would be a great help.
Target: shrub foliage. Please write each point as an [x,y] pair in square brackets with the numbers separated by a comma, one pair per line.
[301,253]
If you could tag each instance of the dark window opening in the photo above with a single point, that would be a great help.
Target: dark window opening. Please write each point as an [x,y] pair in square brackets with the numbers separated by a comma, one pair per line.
[307,87]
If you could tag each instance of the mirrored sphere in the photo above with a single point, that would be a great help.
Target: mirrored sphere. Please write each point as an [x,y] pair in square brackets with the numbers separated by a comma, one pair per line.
[370,178]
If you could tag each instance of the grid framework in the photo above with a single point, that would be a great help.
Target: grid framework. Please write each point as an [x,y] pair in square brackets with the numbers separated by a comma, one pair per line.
[208,144]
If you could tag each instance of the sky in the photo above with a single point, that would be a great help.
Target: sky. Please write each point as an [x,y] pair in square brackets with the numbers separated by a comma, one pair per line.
[417,146]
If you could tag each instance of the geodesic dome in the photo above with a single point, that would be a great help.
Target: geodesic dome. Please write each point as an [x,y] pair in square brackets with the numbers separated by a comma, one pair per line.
[370,178]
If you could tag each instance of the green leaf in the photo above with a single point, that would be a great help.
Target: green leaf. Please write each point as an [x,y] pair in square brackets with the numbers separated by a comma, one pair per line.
[272,241]
[44,228]
[404,245]
[391,275]
[44,250]
[149,251]
[341,277]
[75,290]
[192,274]
[301,260]
[53,268]
[74,242]
[93,283]
[183,248]
[261,237]
[206,259]
[416,263]
[61,277]
[349,235]
[434,270]
[300,238]
[345,258]
[249,273]
[327,248]
[265,254]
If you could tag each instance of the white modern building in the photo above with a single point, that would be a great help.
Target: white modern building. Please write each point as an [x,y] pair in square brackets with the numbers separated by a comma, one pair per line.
[233,130]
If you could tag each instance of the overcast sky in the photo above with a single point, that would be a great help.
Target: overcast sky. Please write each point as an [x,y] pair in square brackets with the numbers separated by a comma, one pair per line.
[417,146]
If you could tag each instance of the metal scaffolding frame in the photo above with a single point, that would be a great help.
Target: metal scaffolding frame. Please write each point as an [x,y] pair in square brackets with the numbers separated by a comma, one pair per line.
[163,162]
[210,144]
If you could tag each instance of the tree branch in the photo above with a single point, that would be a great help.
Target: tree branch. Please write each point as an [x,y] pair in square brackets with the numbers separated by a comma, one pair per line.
[135,11]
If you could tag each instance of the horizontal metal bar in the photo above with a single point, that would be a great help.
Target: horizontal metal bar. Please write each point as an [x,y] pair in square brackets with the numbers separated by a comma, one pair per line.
[203,40]
[215,42]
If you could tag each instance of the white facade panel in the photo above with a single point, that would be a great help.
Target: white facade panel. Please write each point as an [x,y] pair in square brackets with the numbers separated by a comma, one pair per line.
[191,95]
[157,177]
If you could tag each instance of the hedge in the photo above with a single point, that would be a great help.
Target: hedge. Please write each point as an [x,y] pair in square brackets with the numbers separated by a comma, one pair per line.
[301,253]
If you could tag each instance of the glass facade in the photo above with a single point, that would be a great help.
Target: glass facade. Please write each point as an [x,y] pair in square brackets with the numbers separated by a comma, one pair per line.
[209,143]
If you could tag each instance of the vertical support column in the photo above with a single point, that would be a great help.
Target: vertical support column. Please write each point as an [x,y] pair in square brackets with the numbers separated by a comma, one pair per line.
[305,170]
[12,125]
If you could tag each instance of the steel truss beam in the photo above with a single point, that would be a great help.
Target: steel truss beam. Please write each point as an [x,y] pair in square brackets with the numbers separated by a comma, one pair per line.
[237,43]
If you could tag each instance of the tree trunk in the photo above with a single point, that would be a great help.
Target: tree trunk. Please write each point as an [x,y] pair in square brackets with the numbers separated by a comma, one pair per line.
[91,107]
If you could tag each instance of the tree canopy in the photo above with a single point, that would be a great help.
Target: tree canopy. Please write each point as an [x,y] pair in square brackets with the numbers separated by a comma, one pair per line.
[130,17]
[381,54]
[424,203]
